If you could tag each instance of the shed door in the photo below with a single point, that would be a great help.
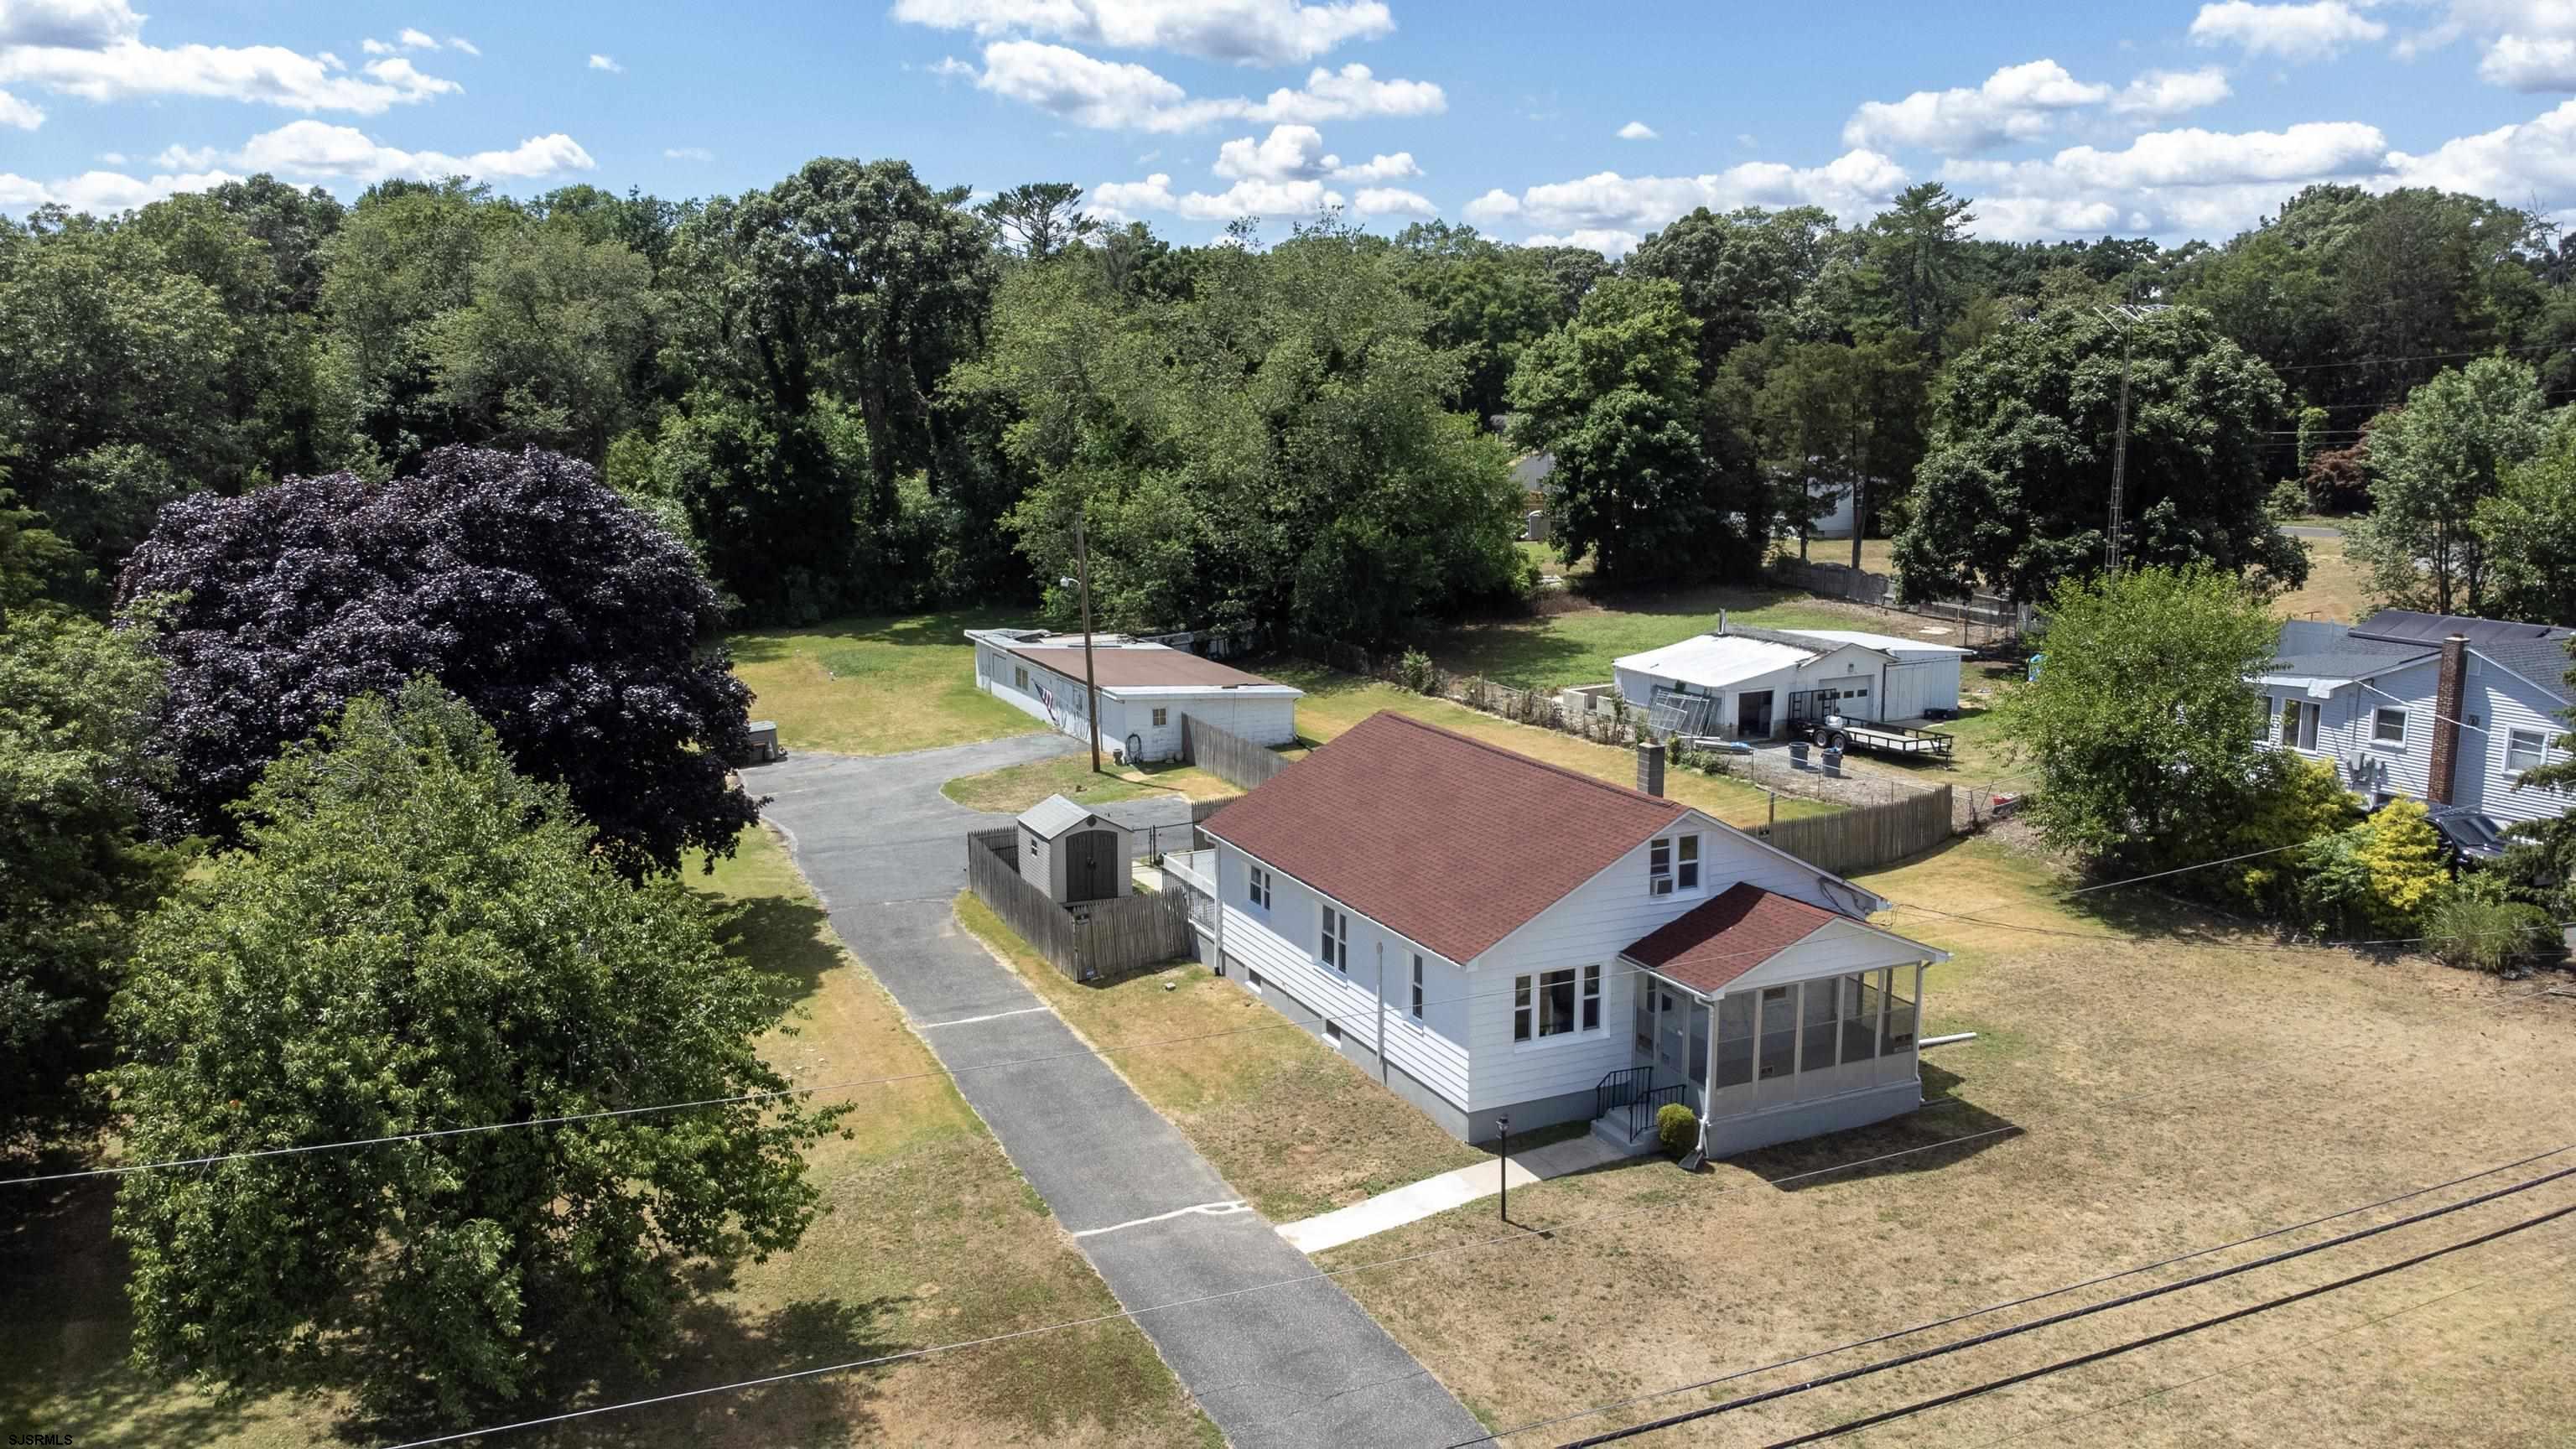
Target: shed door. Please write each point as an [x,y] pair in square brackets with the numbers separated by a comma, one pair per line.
[1912,688]
[1091,865]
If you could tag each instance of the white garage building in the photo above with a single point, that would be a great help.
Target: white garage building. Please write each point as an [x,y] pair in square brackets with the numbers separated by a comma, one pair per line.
[1756,684]
[1146,689]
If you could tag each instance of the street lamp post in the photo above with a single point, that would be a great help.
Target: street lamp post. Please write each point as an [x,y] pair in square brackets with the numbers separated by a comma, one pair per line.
[1503,1161]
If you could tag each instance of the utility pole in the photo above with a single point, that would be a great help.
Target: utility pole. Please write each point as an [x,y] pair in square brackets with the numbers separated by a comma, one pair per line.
[1090,684]
[2124,317]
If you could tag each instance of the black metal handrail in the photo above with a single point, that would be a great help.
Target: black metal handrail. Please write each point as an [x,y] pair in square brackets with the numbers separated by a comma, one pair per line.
[1617,1089]
[1642,1109]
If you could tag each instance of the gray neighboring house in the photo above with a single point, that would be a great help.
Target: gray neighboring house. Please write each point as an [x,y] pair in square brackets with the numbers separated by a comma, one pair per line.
[2445,709]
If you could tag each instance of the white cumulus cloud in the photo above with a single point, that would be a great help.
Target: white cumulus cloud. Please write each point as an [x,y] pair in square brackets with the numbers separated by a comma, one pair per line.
[2186,182]
[1381,167]
[1248,32]
[602,62]
[1607,205]
[94,49]
[2313,31]
[2533,159]
[1637,131]
[2161,93]
[1122,95]
[2530,63]
[2016,103]
[1288,153]
[18,113]
[1393,201]
[687,153]
[1122,201]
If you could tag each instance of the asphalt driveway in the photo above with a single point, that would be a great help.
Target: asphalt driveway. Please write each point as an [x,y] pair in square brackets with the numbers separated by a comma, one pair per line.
[1297,1365]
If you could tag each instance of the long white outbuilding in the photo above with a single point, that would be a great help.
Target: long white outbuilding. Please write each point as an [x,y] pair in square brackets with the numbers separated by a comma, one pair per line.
[1146,689]
[1747,683]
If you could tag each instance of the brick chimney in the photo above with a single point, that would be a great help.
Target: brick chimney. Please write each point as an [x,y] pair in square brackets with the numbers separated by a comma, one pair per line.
[2446,718]
[1650,766]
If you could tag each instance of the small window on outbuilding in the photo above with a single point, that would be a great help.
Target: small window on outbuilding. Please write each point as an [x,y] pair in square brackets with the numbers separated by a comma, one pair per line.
[1162,717]
[2388,727]
[1020,678]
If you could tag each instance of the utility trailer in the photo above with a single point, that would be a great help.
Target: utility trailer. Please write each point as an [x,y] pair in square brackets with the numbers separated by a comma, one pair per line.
[1834,732]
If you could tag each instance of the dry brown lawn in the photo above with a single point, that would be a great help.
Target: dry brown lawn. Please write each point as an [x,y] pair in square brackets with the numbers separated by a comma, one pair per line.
[1014,788]
[1291,1123]
[931,1238]
[2336,588]
[2140,1096]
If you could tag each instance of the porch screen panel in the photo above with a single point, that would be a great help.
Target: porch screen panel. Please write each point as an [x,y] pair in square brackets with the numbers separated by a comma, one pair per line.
[1900,1010]
[1861,1000]
[1734,1042]
[1819,1025]
[1699,1043]
[1779,1047]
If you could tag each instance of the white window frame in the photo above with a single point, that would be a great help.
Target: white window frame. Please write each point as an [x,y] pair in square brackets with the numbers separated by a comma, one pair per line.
[1257,886]
[1333,939]
[1020,678]
[2539,752]
[1673,864]
[2379,718]
[1529,1024]
[1417,986]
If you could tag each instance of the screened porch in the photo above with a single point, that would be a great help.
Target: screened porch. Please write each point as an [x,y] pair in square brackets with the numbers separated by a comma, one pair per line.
[1778,1045]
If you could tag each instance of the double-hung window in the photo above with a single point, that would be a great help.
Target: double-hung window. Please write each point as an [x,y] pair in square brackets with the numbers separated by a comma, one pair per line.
[1417,986]
[2388,726]
[1162,717]
[1257,887]
[1333,940]
[2298,725]
[1019,679]
[1556,1003]
[1672,864]
[2524,750]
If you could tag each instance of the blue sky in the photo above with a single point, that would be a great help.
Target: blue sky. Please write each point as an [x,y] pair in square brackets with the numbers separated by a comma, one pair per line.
[1592,124]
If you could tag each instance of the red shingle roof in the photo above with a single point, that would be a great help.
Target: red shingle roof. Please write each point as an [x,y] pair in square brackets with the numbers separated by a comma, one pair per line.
[1130,668]
[1449,841]
[1729,934]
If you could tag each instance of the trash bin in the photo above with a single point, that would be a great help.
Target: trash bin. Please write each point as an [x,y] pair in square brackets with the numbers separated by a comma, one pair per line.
[1798,754]
[1833,761]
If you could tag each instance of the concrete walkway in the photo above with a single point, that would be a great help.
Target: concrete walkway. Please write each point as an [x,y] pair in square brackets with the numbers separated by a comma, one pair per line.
[1432,1195]
[1287,1367]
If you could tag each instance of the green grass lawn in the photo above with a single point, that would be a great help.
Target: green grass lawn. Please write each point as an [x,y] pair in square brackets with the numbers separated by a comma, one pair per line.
[1014,788]
[1552,651]
[1291,1123]
[1335,701]
[931,1237]
[876,686]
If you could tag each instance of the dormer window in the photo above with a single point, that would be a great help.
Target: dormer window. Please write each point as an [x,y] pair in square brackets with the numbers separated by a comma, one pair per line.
[1672,864]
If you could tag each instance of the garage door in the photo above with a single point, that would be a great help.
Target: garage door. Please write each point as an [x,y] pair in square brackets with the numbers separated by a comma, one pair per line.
[1913,687]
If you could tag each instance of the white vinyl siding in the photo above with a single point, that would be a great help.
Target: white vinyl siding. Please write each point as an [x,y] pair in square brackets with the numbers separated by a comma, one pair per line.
[1153,717]
[1431,1050]
[1595,923]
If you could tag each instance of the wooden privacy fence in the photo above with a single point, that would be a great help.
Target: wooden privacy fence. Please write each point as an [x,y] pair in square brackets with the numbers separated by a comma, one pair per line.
[1108,939]
[1227,755]
[1869,836]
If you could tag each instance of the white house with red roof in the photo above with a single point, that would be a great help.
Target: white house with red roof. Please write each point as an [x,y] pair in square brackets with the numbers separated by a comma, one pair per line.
[1493,936]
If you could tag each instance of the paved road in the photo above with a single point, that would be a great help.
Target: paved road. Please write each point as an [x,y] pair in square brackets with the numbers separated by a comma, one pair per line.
[2308,530]
[1292,1367]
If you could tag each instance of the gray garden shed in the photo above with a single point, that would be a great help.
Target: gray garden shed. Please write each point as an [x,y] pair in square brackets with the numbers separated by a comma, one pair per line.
[1074,854]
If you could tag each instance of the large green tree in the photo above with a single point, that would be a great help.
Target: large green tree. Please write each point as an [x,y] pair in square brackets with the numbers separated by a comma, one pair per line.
[1270,448]
[2014,491]
[2433,463]
[75,872]
[415,938]
[2528,532]
[544,351]
[2140,728]
[1614,395]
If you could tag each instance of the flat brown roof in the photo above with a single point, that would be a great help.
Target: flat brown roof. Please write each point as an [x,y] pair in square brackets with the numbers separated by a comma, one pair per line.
[1132,668]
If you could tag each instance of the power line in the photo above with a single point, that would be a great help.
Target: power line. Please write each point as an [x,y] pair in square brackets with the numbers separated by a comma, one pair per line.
[2070,1315]
[2251,1360]
[2535,347]
[2270,1233]
[1518,1235]
[2150,1340]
